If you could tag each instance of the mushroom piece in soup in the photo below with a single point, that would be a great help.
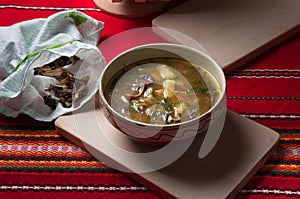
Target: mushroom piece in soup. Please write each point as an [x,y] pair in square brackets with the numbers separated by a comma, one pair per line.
[162,91]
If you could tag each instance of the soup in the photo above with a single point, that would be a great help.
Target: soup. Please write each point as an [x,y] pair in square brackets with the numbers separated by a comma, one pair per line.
[162,91]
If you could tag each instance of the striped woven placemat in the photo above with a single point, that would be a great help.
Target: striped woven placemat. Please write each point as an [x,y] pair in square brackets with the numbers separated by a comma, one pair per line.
[36,162]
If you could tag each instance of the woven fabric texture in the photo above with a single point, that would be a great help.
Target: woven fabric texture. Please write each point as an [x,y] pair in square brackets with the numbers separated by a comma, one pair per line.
[36,162]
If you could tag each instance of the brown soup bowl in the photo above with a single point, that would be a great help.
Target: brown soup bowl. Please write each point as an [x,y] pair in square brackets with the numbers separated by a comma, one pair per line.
[158,134]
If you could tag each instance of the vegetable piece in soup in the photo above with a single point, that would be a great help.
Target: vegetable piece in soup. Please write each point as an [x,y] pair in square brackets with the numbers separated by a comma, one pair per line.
[162,91]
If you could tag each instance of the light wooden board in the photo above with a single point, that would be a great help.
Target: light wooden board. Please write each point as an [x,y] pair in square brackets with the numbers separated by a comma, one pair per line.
[241,150]
[233,31]
[129,8]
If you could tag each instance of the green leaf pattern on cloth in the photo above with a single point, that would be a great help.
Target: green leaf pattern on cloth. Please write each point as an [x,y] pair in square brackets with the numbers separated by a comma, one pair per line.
[78,19]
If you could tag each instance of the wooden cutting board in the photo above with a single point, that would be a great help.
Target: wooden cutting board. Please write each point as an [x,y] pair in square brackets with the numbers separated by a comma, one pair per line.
[241,150]
[234,31]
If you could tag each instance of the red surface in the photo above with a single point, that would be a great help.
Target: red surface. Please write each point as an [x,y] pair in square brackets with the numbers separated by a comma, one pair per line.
[265,90]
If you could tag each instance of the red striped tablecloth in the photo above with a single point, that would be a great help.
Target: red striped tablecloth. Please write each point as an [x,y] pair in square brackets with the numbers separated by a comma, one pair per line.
[36,162]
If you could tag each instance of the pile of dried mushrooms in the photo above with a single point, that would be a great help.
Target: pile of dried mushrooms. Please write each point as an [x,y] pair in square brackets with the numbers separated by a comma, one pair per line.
[68,88]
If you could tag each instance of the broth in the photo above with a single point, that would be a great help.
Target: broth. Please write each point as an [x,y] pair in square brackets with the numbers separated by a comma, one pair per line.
[162,91]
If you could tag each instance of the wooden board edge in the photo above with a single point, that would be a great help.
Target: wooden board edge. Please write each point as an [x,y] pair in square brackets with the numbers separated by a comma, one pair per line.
[264,48]
[155,189]
[254,170]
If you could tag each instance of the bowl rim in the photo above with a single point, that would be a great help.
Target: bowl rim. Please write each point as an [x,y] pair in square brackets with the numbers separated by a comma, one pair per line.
[145,46]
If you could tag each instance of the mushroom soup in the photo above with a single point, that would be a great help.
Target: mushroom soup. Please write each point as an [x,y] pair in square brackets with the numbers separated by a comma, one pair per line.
[162,91]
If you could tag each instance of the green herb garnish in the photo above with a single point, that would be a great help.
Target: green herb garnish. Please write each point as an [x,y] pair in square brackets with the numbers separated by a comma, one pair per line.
[175,78]
[201,90]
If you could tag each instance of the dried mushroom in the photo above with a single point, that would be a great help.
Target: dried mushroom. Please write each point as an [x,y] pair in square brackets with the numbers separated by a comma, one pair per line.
[68,87]
[138,93]
[51,102]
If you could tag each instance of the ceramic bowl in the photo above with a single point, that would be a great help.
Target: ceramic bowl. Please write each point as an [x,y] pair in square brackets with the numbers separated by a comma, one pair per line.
[156,134]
